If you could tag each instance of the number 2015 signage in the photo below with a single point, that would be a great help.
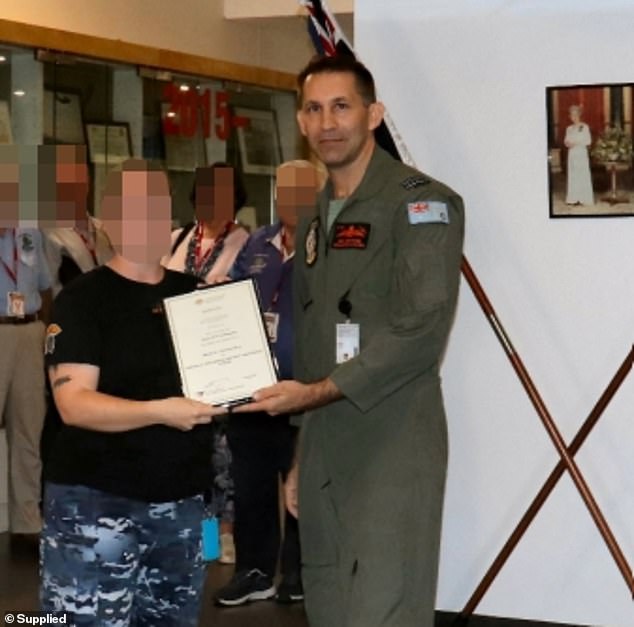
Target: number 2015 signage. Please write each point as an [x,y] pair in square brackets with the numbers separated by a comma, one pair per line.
[183,118]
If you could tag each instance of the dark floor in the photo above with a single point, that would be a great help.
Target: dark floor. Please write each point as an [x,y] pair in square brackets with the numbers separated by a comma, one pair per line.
[19,582]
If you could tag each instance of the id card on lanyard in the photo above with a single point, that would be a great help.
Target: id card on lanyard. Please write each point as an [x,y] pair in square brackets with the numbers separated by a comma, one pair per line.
[15,299]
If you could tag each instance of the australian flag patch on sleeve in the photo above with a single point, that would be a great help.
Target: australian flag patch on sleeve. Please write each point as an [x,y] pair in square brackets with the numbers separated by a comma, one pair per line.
[427,212]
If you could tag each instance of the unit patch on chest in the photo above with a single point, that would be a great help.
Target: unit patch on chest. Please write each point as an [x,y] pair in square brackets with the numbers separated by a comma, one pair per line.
[351,236]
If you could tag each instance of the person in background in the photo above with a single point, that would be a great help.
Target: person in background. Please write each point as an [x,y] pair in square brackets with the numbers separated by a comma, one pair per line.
[76,242]
[123,505]
[25,284]
[206,249]
[262,447]
[577,140]
[377,272]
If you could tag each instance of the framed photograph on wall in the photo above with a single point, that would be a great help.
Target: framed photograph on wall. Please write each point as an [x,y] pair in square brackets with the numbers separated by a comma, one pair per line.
[108,142]
[63,123]
[258,141]
[590,133]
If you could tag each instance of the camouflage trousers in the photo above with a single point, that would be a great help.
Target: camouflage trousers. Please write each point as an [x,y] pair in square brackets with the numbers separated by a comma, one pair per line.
[117,562]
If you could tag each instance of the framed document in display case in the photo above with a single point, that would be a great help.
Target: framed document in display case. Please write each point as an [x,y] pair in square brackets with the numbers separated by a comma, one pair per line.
[258,140]
[63,123]
[108,142]
[220,343]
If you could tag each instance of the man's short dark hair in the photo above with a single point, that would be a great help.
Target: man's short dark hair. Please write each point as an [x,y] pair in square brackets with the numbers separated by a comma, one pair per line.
[340,63]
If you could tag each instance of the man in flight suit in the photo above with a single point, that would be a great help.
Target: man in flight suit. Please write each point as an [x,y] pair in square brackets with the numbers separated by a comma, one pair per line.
[376,281]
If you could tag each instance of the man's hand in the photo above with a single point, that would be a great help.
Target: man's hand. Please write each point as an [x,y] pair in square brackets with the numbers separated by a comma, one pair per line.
[290,490]
[290,397]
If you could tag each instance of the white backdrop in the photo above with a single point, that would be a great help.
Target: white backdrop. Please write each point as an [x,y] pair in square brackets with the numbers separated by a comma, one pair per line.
[465,83]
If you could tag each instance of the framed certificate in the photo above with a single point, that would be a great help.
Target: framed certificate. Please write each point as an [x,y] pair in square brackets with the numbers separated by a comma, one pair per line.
[220,343]
[108,142]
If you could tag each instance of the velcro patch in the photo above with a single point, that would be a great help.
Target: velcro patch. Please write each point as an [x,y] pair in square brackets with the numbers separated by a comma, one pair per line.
[412,182]
[427,212]
[351,236]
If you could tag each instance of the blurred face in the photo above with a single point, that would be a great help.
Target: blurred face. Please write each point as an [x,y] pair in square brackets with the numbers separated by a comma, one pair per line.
[137,216]
[296,193]
[335,120]
[71,184]
[575,116]
[215,196]
[9,195]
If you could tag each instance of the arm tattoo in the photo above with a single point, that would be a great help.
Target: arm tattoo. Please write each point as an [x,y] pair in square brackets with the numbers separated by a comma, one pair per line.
[59,382]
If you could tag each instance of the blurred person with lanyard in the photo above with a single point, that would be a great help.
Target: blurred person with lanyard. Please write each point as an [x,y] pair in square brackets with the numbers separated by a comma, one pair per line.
[75,242]
[25,284]
[123,502]
[206,249]
[377,272]
[262,447]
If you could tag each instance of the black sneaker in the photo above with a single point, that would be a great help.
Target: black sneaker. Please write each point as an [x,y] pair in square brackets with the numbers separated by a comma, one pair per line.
[245,586]
[290,589]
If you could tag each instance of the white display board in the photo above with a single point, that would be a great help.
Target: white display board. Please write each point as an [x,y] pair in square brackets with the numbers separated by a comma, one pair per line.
[465,84]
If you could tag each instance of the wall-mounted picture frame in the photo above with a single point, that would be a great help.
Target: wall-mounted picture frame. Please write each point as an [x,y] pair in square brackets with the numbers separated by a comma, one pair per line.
[6,134]
[183,153]
[258,140]
[590,154]
[108,142]
[63,121]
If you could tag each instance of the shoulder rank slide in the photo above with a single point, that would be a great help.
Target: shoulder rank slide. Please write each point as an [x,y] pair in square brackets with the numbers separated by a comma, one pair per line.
[412,182]
[427,212]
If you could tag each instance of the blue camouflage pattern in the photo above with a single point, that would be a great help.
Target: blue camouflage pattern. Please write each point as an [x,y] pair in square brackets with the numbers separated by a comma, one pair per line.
[117,562]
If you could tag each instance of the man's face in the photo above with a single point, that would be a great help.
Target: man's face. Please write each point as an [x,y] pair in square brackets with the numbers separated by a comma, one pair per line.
[138,220]
[334,118]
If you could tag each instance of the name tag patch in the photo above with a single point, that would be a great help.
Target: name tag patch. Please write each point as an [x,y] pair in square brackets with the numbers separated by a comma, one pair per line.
[427,212]
[351,236]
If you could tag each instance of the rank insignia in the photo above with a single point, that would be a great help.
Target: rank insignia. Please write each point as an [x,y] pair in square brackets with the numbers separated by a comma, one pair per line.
[412,182]
[312,242]
[354,236]
[52,331]
[427,212]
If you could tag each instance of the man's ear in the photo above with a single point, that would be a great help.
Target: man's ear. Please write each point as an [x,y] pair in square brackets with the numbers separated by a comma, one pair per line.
[300,122]
[377,110]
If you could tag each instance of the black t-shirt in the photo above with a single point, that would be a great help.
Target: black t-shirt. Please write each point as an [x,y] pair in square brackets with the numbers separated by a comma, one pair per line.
[117,324]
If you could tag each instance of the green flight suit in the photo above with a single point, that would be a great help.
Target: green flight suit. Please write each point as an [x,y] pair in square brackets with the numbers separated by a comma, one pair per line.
[373,465]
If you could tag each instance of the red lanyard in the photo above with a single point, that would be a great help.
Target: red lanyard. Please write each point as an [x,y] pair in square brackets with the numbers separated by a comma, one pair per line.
[199,258]
[90,246]
[12,272]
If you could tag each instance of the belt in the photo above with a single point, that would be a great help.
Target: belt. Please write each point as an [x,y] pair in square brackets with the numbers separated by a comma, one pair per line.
[18,320]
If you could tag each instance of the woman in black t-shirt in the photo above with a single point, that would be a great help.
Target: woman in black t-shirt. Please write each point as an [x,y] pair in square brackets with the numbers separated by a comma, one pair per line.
[123,495]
